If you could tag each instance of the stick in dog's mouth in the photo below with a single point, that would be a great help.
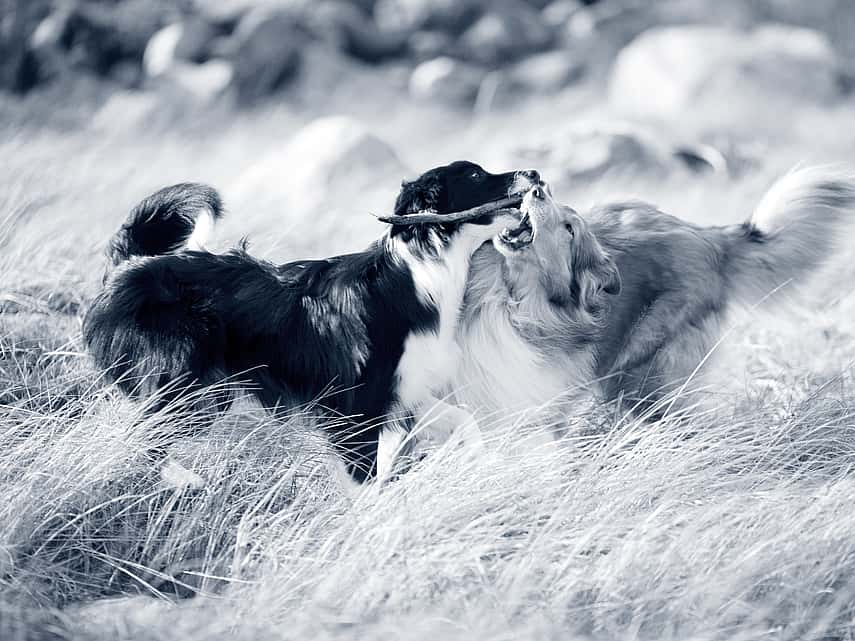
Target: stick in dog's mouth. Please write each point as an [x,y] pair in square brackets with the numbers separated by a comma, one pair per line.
[505,205]
[524,233]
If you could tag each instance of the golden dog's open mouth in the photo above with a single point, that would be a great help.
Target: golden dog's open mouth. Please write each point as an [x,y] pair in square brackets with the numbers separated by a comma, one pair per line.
[519,237]
[523,235]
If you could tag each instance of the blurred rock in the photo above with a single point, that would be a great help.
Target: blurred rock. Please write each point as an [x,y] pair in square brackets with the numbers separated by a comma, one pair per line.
[18,20]
[98,37]
[197,34]
[409,16]
[602,30]
[510,30]
[47,53]
[548,72]
[337,149]
[426,45]
[265,52]
[666,71]
[223,13]
[190,40]
[833,17]
[202,83]
[728,13]
[588,153]
[537,75]
[347,28]
[559,12]
[332,160]
[447,81]
[589,150]
[159,55]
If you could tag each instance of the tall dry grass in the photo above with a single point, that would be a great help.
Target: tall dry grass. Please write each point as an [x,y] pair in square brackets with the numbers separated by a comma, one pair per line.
[735,522]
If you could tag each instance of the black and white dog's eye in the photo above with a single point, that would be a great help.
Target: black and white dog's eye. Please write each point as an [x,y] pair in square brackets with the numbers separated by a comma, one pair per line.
[569,228]
[475,175]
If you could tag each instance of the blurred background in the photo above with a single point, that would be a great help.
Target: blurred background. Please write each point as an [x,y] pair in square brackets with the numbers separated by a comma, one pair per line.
[314,110]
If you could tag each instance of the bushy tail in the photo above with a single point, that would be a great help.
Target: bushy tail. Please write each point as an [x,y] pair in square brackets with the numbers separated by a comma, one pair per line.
[793,230]
[178,217]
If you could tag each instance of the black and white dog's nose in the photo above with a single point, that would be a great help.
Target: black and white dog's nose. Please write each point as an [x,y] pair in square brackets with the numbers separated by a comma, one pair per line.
[532,174]
[537,192]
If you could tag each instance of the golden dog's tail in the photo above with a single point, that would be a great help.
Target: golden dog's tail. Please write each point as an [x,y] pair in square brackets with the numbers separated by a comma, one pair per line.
[797,225]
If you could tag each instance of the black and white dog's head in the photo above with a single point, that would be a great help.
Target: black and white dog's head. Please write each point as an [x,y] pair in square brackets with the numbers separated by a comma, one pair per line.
[459,186]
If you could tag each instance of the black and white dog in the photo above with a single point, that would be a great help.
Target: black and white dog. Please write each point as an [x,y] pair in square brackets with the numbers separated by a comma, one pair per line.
[369,336]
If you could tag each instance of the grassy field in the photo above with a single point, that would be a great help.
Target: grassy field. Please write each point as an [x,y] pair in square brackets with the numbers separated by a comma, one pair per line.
[734,524]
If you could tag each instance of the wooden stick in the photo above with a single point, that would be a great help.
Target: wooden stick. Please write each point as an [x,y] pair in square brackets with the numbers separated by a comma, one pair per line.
[455,217]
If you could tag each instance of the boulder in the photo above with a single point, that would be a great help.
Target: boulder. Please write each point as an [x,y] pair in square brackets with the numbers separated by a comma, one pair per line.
[589,150]
[547,72]
[410,16]
[223,13]
[188,41]
[558,13]
[332,173]
[429,44]
[508,31]
[197,36]
[98,37]
[447,81]
[159,55]
[667,71]
[538,75]
[202,83]
[18,20]
[323,158]
[347,28]
[265,52]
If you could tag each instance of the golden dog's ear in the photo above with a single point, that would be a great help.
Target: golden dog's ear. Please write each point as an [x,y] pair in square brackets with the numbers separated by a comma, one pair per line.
[611,276]
[594,272]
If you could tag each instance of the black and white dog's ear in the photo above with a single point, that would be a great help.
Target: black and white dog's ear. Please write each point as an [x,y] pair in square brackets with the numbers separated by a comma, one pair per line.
[424,194]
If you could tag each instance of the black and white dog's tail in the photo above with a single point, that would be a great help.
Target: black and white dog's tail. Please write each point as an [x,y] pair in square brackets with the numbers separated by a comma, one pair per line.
[177,217]
[794,229]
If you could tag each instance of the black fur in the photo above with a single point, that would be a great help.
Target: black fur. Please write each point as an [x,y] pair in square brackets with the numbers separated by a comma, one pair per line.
[162,223]
[174,321]
[289,332]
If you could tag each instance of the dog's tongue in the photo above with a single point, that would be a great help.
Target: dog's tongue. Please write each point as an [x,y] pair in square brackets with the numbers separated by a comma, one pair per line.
[520,235]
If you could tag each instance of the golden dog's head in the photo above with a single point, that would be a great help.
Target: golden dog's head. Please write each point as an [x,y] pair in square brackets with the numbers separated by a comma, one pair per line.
[553,250]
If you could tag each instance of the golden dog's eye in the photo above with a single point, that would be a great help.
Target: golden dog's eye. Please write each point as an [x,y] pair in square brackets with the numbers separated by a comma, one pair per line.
[569,228]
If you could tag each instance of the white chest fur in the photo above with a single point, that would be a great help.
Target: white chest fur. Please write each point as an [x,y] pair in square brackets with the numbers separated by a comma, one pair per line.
[504,374]
[430,359]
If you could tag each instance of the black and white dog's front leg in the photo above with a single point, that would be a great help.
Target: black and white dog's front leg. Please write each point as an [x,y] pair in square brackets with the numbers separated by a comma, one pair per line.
[436,423]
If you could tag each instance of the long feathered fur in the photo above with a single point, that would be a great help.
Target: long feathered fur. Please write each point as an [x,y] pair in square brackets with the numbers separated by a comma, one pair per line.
[679,282]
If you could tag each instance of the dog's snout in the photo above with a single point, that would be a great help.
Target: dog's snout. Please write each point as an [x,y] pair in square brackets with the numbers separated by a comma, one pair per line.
[532,174]
[537,192]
